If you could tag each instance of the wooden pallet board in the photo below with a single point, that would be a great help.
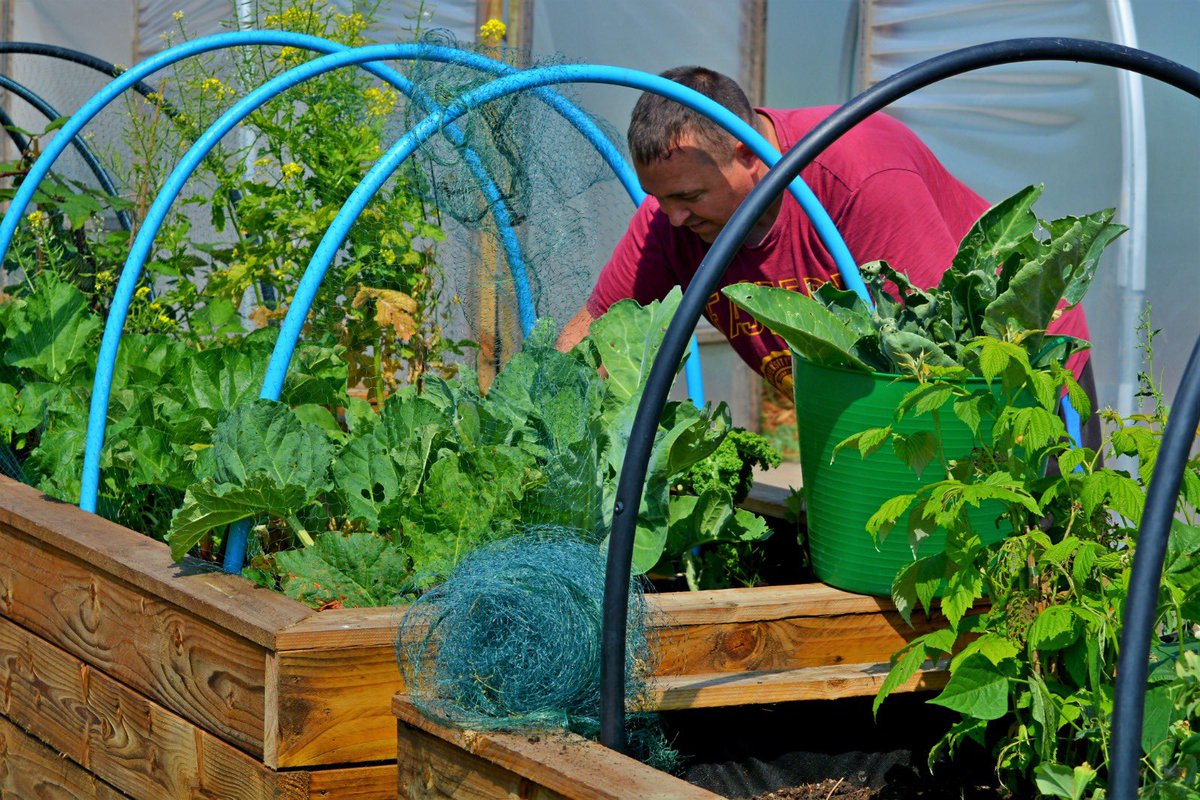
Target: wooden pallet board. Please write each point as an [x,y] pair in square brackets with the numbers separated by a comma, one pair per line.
[265,693]
[679,692]
[28,768]
[440,762]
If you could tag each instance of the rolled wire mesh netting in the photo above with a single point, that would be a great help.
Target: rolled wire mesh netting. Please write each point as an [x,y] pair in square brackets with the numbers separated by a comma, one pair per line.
[511,641]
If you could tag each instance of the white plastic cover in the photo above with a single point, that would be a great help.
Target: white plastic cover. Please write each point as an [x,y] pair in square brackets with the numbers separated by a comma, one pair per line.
[1060,124]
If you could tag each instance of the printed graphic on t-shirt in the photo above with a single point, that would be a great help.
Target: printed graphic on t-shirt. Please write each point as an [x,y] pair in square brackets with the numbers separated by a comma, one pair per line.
[753,340]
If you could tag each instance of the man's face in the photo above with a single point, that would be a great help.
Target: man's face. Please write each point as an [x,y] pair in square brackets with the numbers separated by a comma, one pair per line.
[695,190]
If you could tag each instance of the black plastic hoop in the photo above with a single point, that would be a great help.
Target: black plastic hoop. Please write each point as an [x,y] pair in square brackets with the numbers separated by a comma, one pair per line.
[1148,561]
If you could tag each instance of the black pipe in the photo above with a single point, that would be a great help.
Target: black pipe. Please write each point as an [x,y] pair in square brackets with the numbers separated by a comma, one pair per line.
[20,141]
[110,70]
[713,267]
[89,158]
[1141,604]
[76,57]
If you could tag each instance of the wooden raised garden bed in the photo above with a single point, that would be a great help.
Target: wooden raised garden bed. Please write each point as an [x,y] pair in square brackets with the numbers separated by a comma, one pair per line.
[162,680]
[440,762]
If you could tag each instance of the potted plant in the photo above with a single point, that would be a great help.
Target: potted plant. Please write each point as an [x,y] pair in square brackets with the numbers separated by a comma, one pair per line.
[863,374]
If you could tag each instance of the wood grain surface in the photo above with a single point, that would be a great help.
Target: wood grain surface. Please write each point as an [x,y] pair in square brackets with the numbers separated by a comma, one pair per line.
[138,746]
[184,661]
[30,769]
[440,762]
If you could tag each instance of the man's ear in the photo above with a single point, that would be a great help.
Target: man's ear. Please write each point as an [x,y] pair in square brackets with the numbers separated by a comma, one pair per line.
[743,155]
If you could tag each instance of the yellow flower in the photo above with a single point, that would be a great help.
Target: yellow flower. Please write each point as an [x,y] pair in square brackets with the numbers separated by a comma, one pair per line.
[350,28]
[104,276]
[214,87]
[492,31]
[380,102]
[290,56]
[164,319]
[141,292]
[36,217]
[292,170]
[177,16]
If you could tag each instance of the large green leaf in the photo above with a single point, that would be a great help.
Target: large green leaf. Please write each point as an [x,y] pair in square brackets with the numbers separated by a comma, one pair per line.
[206,383]
[208,506]
[54,333]
[812,330]
[367,477]
[685,438]
[993,238]
[1054,628]
[628,337]
[977,688]
[263,437]
[1099,232]
[1066,262]
[356,570]
[317,375]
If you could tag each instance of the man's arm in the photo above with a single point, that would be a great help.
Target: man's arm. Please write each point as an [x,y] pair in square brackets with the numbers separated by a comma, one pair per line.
[574,331]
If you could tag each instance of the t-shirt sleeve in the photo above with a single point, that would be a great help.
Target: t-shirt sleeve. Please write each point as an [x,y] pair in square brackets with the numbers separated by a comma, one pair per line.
[639,266]
[892,216]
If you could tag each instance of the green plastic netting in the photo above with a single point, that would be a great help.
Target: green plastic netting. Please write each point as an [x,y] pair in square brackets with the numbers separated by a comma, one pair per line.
[511,641]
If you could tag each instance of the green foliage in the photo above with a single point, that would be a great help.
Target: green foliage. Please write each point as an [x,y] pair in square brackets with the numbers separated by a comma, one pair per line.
[730,467]
[437,473]
[441,469]
[1032,671]
[354,569]
[1007,281]
[270,199]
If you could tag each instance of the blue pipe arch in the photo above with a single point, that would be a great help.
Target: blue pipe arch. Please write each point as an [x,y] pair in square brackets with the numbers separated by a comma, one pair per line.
[132,78]
[540,79]
[329,245]
[142,245]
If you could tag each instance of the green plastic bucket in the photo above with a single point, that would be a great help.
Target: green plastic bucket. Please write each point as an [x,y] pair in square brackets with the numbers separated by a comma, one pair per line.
[833,403]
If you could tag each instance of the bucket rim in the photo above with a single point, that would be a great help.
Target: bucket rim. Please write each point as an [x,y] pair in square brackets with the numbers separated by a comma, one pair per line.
[892,376]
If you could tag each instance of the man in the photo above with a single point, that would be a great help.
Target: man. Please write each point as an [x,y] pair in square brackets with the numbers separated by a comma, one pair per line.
[887,194]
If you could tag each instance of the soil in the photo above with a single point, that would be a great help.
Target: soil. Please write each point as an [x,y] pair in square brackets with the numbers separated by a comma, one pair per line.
[828,789]
[828,750]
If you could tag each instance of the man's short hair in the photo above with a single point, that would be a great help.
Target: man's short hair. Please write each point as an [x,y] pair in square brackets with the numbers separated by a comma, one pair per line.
[658,124]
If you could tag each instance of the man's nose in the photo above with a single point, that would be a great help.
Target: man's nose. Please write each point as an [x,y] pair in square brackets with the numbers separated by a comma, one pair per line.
[678,215]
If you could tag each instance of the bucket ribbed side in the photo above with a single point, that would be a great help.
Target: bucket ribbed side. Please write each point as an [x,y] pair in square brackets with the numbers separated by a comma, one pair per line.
[832,404]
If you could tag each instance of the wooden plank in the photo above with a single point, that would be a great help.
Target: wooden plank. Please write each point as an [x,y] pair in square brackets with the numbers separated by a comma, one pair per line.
[29,768]
[342,627]
[676,692]
[783,644]
[181,660]
[431,769]
[767,501]
[226,600]
[334,705]
[333,693]
[375,782]
[125,739]
[436,761]
[760,603]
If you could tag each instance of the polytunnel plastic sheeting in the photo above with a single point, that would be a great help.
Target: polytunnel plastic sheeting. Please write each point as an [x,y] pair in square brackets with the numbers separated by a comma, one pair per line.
[647,36]
[396,18]
[1059,124]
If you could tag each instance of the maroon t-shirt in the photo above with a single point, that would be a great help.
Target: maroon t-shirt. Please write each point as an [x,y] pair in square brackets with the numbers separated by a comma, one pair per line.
[885,191]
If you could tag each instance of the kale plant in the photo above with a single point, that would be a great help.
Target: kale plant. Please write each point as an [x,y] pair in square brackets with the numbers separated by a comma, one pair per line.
[1008,280]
